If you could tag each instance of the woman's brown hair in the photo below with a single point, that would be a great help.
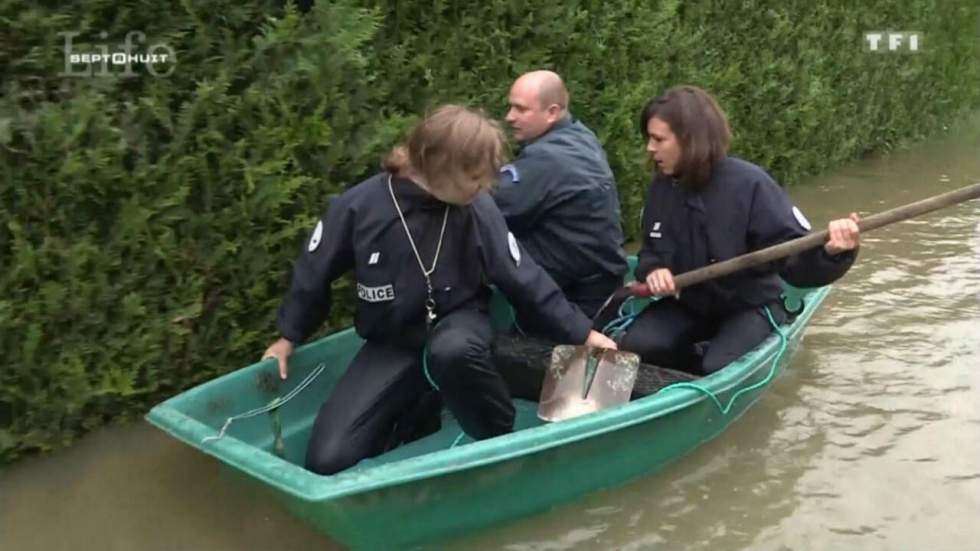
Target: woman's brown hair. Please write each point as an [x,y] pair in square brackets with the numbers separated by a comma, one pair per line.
[700,126]
[457,151]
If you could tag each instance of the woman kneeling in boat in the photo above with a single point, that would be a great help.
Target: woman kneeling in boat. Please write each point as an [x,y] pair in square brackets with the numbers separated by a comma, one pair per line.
[423,239]
[702,207]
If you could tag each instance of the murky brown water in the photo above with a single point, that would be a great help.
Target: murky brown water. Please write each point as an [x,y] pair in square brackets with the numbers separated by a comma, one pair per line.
[871,440]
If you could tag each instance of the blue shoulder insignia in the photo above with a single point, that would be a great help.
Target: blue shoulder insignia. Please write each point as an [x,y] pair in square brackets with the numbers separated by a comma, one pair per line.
[514,176]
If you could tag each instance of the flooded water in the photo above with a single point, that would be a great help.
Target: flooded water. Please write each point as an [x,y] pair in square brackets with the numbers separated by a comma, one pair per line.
[871,440]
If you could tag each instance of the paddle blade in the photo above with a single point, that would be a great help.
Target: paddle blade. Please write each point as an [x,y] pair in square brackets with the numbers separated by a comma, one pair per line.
[582,380]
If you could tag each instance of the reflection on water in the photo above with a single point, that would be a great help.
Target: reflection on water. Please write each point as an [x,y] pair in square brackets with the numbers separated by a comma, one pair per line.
[871,440]
[717,496]
[134,488]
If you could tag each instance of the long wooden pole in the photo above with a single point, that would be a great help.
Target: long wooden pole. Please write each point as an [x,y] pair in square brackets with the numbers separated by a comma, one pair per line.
[817,239]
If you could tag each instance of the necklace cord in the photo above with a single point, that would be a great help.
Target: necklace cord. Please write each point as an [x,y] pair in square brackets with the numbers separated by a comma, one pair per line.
[430,304]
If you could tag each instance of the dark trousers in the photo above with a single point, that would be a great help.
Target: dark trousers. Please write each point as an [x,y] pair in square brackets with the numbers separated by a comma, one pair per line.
[589,296]
[666,333]
[385,386]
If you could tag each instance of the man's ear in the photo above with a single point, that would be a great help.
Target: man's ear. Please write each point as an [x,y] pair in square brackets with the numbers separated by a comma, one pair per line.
[554,112]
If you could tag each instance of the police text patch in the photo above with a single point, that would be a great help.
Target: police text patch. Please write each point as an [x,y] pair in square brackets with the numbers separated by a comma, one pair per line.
[375,294]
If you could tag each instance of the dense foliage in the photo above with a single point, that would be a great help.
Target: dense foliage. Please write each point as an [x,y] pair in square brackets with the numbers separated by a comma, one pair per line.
[148,223]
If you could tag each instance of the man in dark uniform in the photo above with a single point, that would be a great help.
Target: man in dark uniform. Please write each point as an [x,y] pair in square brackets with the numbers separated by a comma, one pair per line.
[559,195]
[704,207]
[422,240]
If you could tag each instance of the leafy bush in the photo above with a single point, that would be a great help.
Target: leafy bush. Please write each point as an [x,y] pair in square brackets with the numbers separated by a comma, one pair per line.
[148,224]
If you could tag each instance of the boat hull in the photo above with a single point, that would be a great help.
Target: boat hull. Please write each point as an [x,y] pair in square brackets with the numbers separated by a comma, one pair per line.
[430,490]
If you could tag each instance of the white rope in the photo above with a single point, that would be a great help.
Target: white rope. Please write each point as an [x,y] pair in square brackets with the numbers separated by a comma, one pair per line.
[275,403]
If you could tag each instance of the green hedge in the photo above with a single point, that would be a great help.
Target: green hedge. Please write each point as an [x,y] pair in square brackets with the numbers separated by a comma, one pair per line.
[147,225]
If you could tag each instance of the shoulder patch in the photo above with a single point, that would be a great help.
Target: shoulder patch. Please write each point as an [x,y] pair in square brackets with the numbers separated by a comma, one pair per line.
[512,170]
[801,220]
[655,231]
[515,250]
[316,237]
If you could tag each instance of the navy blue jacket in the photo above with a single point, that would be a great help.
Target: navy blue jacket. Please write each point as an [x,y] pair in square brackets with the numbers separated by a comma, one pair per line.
[559,198]
[740,210]
[361,231]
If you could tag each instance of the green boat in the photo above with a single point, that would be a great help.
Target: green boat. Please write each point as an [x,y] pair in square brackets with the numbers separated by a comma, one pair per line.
[439,487]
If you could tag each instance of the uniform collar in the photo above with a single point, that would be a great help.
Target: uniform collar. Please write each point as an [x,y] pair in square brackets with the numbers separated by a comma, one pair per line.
[410,193]
[695,201]
[560,124]
[693,196]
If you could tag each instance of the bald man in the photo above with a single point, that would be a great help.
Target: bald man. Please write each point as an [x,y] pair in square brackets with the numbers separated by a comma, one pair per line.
[559,195]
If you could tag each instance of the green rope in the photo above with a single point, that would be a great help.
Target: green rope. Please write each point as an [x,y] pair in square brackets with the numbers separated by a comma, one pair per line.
[428,377]
[425,367]
[279,445]
[617,327]
[513,320]
[772,372]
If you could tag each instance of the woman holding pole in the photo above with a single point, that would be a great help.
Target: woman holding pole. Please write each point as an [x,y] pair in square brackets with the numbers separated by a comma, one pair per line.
[703,207]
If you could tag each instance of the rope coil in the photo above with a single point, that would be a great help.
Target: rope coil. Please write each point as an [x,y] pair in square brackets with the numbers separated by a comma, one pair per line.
[783,341]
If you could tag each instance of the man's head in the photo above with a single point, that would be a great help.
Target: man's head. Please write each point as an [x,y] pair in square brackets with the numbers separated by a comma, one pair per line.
[537,101]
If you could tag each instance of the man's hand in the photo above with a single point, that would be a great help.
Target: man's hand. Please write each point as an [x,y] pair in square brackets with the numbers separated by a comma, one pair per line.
[280,350]
[844,235]
[598,340]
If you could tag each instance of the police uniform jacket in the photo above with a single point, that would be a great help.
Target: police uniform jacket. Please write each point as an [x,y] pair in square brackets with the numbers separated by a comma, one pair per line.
[361,231]
[559,198]
[741,209]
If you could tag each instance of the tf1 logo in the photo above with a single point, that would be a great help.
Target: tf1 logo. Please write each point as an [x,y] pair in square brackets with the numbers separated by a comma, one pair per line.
[893,41]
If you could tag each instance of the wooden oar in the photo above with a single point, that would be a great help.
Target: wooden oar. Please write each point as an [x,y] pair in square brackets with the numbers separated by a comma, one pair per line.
[816,239]
[562,396]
